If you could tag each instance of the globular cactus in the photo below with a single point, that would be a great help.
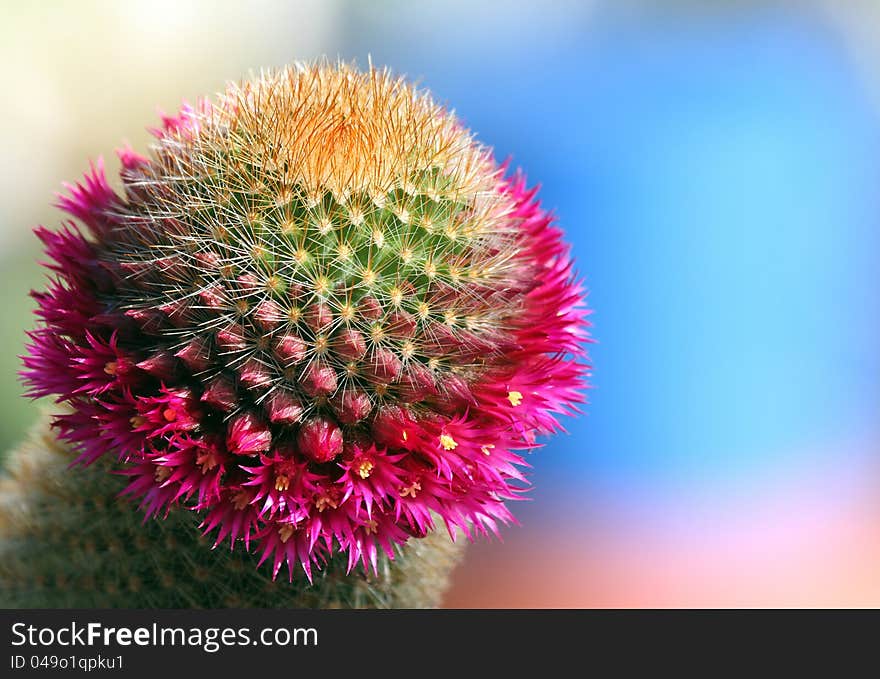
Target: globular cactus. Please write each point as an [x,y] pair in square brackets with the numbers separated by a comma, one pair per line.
[70,541]
[318,314]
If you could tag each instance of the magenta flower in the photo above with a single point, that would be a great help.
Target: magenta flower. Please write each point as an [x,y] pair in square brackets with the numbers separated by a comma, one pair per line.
[318,314]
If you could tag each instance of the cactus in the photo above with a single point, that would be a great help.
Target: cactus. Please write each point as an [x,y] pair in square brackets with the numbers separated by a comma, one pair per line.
[318,314]
[70,541]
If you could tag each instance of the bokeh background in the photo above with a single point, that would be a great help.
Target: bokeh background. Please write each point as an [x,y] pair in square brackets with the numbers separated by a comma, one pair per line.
[717,168]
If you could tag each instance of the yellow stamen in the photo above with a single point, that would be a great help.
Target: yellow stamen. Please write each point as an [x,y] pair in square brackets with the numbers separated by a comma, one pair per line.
[208,461]
[365,468]
[488,447]
[325,501]
[110,368]
[285,532]
[515,397]
[281,483]
[411,489]
[448,442]
[241,500]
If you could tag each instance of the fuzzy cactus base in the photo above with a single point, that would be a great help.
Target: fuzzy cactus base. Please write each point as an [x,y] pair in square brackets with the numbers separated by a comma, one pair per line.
[67,540]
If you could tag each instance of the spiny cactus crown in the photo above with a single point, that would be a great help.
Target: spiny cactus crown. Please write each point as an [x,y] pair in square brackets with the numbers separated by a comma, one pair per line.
[329,241]
[318,313]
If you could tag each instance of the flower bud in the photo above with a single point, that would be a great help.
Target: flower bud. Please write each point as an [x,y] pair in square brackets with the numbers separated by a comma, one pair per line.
[318,379]
[290,349]
[253,374]
[268,314]
[319,439]
[319,317]
[195,354]
[220,393]
[161,365]
[382,365]
[350,344]
[351,405]
[247,434]
[283,407]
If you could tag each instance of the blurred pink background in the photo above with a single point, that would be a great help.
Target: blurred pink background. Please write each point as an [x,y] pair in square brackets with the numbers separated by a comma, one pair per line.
[805,541]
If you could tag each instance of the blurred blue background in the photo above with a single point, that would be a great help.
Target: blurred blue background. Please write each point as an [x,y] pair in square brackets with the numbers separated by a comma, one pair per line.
[716,171]
[718,179]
